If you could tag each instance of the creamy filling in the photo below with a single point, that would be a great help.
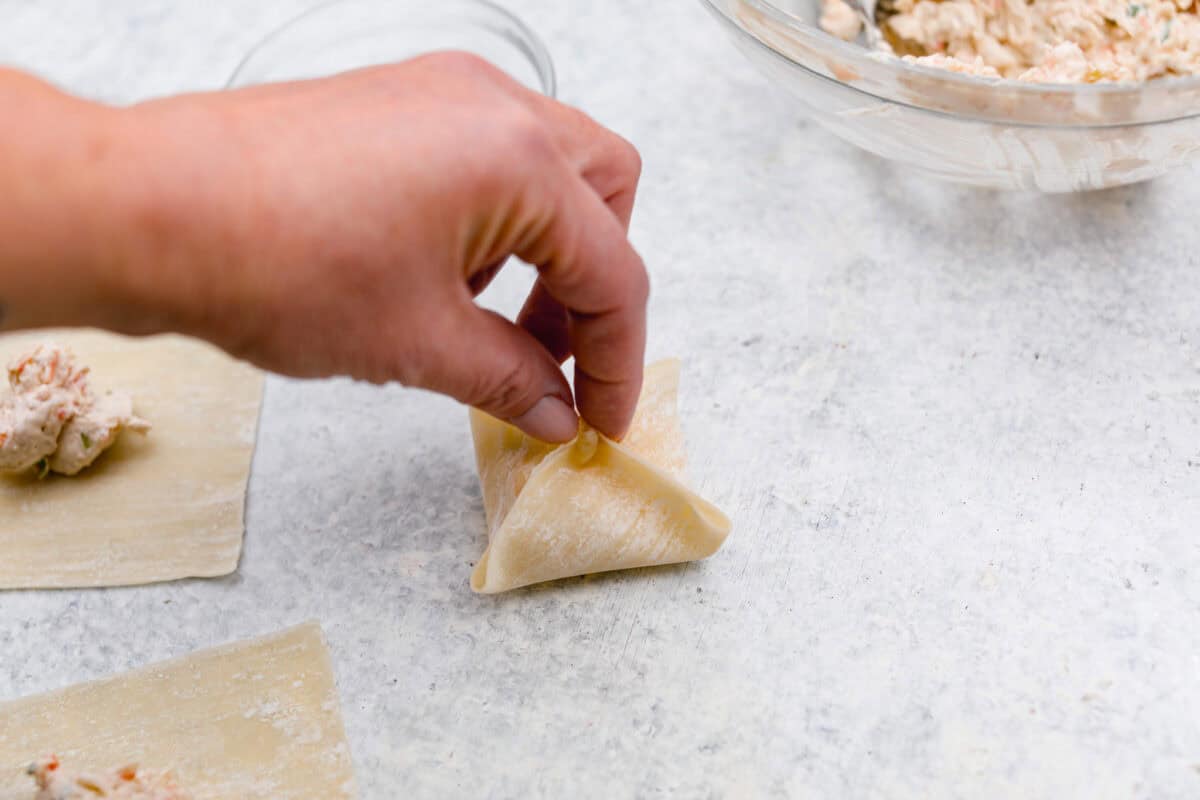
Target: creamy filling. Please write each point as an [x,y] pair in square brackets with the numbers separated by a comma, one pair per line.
[1044,41]
[50,419]
[125,783]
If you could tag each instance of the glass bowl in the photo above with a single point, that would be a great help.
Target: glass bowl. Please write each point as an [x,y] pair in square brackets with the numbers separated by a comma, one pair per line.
[347,34]
[1000,134]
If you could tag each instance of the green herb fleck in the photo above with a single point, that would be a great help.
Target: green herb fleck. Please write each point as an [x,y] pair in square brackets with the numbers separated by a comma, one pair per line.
[43,468]
[87,442]
[1166,34]
[1135,9]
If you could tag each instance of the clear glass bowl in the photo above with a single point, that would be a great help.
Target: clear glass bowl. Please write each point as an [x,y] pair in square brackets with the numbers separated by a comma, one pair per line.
[1001,134]
[348,34]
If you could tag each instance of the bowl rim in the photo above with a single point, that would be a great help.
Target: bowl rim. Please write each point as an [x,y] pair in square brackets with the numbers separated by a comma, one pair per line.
[857,53]
[526,40]
[952,115]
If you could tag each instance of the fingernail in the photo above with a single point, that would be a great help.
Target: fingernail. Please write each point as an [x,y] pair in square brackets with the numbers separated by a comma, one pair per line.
[550,420]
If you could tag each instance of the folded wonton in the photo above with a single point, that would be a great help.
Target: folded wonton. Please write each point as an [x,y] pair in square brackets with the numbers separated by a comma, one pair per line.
[591,505]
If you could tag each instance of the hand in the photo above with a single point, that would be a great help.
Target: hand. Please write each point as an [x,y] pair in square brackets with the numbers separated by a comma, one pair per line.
[361,214]
[345,225]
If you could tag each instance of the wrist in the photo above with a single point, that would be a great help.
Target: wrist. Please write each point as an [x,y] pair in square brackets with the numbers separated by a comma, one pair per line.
[55,243]
[176,220]
[108,217]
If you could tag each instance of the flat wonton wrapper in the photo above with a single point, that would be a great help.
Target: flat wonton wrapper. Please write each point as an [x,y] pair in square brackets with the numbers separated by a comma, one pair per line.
[153,508]
[246,721]
[592,505]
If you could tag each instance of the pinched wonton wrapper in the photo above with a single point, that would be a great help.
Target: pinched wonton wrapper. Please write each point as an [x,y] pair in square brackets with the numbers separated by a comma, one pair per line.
[591,505]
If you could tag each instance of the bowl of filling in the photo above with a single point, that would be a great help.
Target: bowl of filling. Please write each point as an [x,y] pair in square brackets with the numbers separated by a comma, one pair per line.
[1052,95]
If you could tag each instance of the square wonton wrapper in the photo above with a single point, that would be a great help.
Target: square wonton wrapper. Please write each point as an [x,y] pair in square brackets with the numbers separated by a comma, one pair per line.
[153,508]
[591,505]
[246,721]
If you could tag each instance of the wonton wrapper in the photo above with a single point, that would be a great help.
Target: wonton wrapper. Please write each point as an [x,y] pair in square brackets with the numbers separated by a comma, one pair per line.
[247,721]
[153,508]
[592,505]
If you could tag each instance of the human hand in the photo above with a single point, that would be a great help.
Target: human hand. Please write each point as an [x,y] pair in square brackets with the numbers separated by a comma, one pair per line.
[345,226]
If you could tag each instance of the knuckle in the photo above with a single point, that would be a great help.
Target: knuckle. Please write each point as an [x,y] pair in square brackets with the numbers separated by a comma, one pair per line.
[628,160]
[526,137]
[515,159]
[639,283]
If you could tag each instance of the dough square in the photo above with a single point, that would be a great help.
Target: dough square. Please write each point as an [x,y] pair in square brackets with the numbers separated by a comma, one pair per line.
[155,508]
[245,721]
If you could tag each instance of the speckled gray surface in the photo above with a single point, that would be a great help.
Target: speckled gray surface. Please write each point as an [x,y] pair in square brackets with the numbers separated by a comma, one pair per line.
[958,434]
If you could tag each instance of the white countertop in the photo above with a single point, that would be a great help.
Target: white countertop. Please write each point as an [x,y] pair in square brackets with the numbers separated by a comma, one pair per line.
[958,433]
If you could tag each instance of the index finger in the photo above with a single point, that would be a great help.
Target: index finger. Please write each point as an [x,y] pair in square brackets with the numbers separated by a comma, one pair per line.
[609,163]
[586,263]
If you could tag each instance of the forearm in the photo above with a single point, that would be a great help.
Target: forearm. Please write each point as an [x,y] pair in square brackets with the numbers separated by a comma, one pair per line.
[100,221]
[59,237]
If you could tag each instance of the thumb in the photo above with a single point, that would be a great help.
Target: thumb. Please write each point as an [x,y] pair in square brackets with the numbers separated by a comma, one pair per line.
[493,365]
